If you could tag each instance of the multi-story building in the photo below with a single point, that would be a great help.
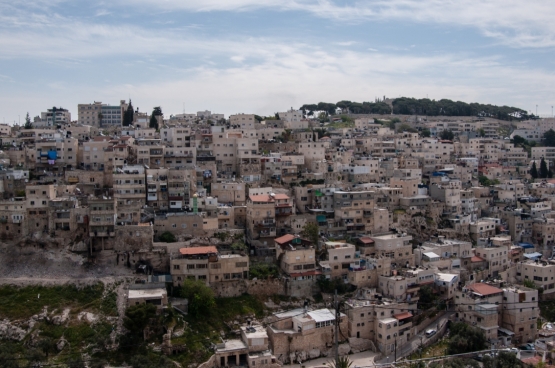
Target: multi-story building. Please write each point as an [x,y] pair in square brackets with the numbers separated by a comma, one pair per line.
[54,117]
[261,218]
[520,313]
[99,114]
[208,265]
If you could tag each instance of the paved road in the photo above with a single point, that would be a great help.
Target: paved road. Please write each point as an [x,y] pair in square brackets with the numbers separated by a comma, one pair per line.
[416,341]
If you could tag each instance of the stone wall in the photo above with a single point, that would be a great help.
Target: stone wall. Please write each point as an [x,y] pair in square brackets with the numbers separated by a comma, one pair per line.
[133,238]
[300,288]
[266,287]
[253,287]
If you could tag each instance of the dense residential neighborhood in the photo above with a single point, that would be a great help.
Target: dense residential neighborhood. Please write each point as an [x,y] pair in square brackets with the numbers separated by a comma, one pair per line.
[416,221]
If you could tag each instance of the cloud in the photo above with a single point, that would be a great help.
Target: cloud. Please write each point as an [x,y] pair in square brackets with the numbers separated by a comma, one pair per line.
[345,43]
[512,22]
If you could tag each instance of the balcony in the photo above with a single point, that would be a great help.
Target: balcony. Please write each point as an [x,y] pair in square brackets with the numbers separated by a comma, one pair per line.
[179,154]
[268,223]
[268,233]
[367,214]
[100,212]
[284,211]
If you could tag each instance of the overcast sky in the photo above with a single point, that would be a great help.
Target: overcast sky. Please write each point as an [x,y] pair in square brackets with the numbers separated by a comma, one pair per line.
[264,56]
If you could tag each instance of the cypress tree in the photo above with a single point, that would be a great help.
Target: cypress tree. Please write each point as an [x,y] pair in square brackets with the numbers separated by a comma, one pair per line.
[534,171]
[543,169]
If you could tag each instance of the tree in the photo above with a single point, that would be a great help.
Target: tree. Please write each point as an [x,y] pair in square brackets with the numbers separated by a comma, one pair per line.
[311,232]
[128,115]
[341,362]
[76,362]
[47,345]
[543,169]
[406,128]
[534,171]
[482,132]
[465,339]
[455,363]
[28,124]
[427,297]
[447,135]
[517,139]
[200,297]
[549,138]
[7,355]
[137,318]
[239,246]
[503,360]
[425,133]
[157,111]
[167,237]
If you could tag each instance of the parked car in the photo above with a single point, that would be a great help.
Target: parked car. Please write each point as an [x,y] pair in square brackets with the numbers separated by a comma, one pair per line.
[431,332]
[527,347]
[511,350]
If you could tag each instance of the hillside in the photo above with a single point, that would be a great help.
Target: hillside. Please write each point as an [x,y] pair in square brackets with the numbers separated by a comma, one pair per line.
[78,325]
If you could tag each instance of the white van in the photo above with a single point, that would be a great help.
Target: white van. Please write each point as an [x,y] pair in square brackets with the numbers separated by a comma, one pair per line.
[431,332]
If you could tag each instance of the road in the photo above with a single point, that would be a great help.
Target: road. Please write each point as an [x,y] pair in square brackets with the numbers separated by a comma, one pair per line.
[416,341]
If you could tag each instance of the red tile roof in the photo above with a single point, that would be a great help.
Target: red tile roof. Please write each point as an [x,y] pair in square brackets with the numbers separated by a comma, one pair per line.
[366,240]
[281,196]
[403,315]
[284,239]
[198,250]
[476,259]
[484,289]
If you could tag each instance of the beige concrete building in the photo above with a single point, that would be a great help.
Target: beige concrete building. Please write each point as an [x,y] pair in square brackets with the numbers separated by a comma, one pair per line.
[207,265]
[398,247]
[297,330]
[261,218]
[480,305]
[232,193]
[147,294]
[296,256]
[520,313]
[541,273]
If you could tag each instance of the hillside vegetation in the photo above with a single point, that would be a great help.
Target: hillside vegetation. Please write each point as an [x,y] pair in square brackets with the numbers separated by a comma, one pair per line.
[423,106]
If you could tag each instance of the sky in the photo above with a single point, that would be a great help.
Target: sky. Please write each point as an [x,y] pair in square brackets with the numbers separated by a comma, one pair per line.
[265,56]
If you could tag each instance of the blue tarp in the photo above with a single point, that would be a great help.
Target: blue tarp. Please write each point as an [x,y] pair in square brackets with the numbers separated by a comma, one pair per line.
[532,255]
[525,245]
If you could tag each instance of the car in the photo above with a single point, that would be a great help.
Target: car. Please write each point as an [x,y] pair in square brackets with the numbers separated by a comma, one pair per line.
[527,347]
[431,332]
[511,350]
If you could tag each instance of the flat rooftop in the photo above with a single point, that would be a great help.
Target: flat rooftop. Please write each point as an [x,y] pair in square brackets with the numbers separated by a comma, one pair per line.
[147,293]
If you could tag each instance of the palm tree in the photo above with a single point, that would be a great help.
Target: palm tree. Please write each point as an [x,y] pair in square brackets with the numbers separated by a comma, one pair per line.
[341,362]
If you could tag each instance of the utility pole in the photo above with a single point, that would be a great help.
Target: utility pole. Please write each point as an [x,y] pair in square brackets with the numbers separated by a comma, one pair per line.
[336,307]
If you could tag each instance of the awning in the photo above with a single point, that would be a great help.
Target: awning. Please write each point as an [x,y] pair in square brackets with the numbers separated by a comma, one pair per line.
[505,331]
[401,316]
[525,245]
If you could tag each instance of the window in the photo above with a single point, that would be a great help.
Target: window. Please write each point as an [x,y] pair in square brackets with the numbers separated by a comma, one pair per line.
[176,267]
